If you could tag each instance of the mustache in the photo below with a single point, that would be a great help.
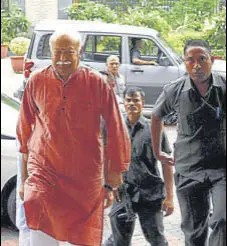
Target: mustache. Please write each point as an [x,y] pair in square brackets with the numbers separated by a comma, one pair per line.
[198,74]
[63,62]
[131,107]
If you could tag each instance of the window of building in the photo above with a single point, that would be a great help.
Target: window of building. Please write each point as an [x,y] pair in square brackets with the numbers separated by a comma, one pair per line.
[5,5]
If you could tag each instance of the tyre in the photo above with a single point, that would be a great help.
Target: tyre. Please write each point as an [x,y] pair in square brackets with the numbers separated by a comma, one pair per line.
[8,202]
[11,207]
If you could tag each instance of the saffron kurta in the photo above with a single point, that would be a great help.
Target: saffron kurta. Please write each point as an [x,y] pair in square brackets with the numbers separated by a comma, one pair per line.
[59,127]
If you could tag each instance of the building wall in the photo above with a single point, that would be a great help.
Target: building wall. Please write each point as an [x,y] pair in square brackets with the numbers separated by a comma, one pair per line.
[37,10]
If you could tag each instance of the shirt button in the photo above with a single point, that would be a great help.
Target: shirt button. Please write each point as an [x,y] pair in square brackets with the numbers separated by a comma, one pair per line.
[63,108]
[64,97]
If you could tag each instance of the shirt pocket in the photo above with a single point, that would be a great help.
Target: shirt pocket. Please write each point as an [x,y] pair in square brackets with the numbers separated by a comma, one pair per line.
[190,122]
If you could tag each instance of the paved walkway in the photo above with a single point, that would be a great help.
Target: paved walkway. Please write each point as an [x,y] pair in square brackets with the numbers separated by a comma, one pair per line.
[9,83]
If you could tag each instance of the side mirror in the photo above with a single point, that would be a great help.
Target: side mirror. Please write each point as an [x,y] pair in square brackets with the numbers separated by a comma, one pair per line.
[164,61]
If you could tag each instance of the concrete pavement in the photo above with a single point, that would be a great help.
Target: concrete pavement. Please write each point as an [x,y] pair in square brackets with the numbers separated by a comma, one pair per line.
[10,82]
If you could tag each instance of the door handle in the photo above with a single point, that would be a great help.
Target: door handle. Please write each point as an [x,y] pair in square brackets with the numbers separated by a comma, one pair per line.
[137,70]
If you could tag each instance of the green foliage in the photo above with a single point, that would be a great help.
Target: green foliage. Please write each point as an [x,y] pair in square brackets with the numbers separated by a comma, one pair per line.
[216,33]
[90,10]
[190,14]
[141,17]
[186,19]
[177,39]
[19,45]
[13,24]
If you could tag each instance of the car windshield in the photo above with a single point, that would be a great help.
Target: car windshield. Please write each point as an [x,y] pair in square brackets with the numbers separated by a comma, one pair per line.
[171,50]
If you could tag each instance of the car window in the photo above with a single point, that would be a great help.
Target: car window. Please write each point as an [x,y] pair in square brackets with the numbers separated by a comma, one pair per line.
[98,47]
[43,49]
[147,50]
[171,50]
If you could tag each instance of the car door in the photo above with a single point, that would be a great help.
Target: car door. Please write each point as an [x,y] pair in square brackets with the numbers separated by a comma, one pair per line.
[151,78]
[9,116]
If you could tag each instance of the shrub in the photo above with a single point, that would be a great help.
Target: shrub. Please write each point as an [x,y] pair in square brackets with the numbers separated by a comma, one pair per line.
[19,45]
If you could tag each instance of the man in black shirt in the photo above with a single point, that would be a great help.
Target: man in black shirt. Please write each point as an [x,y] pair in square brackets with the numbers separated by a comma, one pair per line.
[199,99]
[146,191]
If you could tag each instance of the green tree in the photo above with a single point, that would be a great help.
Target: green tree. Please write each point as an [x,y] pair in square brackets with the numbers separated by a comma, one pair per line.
[216,33]
[190,13]
[186,20]
[142,17]
[89,10]
[13,24]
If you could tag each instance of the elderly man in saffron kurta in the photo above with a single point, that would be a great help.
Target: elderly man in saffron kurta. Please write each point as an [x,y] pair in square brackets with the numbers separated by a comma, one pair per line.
[59,133]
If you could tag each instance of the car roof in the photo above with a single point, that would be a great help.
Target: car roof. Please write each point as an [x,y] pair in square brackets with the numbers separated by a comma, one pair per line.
[94,26]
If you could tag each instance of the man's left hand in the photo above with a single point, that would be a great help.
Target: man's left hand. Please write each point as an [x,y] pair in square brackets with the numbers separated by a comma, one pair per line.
[165,159]
[168,207]
[114,179]
[154,63]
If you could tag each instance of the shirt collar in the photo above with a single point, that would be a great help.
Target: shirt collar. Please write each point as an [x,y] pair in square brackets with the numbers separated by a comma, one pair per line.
[215,82]
[115,76]
[73,73]
[140,122]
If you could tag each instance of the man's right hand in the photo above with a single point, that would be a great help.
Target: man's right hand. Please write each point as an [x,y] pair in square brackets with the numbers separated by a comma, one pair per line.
[21,192]
[165,159]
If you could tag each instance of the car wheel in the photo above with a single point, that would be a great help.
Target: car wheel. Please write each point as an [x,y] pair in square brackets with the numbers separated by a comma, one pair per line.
[8,202]
[11,207]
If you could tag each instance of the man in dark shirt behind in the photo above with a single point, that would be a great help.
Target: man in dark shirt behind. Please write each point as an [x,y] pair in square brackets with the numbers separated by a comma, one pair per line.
[199,99]
[146,192]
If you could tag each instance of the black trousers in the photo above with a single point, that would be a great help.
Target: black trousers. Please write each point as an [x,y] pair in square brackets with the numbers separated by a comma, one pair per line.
[194,200]
[151,221]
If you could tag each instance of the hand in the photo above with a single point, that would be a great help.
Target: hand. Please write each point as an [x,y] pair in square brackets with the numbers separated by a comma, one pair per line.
[168,207]
[165,159]
[108,198]
[114,178]
[21,192]
[116,195]
[154,63]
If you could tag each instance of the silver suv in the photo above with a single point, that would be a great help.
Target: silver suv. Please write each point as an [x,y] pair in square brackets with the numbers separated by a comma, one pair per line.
[101,40]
